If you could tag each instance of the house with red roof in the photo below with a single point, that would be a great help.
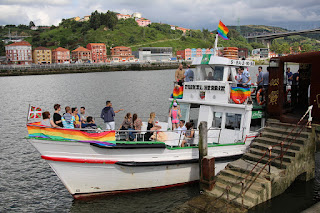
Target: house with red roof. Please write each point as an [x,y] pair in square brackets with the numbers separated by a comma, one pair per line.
[19,53]
[60,55]
[143,22]
[98,52]
[123,16]
[121,54]
[81,55]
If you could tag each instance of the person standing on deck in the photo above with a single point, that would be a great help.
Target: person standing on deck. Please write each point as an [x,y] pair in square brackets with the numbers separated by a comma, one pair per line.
[107,114]
[179,75]
[289,76]
[260,78]
[188,75]
[265,84]
[246,80]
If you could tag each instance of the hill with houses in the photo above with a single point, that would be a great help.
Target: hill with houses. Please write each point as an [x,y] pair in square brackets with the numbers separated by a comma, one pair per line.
[114,29]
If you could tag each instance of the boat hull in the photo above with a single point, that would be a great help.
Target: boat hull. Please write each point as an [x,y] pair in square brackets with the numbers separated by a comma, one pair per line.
[88,170]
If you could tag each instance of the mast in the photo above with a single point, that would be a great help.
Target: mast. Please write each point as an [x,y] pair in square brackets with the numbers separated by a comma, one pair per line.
[216,45]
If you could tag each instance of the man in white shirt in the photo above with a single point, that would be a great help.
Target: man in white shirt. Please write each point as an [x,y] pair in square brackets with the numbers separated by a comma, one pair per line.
[181,128]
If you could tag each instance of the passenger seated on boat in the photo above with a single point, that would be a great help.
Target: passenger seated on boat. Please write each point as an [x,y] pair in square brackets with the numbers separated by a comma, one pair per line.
[137,124]
[189,136]
[181,128]
[210,77]
[46,120]
[175,114]
[90,123]
[127,125]
[151,126]
[77,117]
[68,119]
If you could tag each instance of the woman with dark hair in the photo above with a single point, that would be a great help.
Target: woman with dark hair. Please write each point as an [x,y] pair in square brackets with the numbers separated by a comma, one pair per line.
[127,125]
[137,123]
[46,120]
[77,123]
[151,126]
[189,136]
[56,116]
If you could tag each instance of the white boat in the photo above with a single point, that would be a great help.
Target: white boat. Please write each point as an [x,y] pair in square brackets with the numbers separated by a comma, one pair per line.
[89,167]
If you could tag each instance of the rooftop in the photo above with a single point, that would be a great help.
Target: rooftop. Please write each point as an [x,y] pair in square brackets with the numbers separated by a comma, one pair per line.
[61,49]
[81,49]
[20,43]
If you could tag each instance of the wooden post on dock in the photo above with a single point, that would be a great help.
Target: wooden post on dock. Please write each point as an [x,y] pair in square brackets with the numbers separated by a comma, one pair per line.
[203,146]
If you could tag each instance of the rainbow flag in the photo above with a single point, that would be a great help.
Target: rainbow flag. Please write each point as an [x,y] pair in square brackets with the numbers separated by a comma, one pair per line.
[223,31]
[239,93]
[35,130]
[177,93]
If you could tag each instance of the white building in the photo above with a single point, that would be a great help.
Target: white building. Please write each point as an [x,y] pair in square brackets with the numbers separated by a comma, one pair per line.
[19,53]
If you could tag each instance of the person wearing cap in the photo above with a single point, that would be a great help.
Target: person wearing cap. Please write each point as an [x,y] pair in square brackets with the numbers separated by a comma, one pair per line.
[188,75]
[175,114]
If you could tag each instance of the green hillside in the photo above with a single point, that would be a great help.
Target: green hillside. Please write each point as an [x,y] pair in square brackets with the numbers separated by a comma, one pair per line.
[106,28]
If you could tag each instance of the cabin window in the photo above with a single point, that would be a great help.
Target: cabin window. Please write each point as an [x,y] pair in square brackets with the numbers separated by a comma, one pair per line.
[217,118]
[233,121]
[210,73]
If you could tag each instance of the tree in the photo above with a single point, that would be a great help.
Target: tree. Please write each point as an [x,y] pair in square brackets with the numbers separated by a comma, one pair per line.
[2,49]
[95,20]
[112,19]
[132,40]
[256,45]
[306,47]
[31,24]
[296,47]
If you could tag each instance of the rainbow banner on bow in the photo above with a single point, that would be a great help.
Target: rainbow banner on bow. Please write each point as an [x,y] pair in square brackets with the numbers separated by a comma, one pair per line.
[239,93]
[36,130]
[223,31]
[34,112]
[177,92]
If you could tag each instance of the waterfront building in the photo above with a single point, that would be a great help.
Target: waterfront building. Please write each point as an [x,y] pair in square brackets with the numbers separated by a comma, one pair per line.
[19,53]
[193,53]
[198,52]
[81,55]
[41,55]
[243,53]
[260,53]
[143,22]
[184,54]
[122,16]
[60,56]
[121,54]
[98,52]
[155,53]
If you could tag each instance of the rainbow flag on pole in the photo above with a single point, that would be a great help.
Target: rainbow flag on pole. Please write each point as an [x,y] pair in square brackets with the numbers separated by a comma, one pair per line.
[177,93]
[223,31]
[239,94]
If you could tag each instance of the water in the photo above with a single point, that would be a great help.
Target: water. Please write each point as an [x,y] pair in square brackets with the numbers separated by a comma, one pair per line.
[27,184]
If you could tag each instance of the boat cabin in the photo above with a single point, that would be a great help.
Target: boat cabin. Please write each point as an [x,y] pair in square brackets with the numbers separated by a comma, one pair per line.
[207,98]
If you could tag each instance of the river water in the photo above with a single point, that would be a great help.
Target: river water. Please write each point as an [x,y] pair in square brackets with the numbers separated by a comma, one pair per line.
[27,184]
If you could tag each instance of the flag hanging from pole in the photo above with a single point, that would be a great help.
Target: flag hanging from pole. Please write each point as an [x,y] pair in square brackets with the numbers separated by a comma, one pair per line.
[223,31]
[34,112]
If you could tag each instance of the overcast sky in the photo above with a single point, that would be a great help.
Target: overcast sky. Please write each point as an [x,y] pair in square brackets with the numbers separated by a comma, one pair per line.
[194,14]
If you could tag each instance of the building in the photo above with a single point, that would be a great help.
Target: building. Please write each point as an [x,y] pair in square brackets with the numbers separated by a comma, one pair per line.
[98,52]
[155,53]
[260,53]
[121,54]
[19,53]
[81,55]
[76,18]
[122,16]
[173,27]
[41,55]
[184,54]
[136,15]
[60,56]
[184,30]
[143,22]
[243,53]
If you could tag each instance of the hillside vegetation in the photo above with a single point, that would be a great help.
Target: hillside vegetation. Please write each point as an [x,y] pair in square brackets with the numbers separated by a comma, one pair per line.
[106,28]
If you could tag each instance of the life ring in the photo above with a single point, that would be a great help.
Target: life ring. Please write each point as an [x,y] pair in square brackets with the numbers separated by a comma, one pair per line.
[238,99]
[260,102]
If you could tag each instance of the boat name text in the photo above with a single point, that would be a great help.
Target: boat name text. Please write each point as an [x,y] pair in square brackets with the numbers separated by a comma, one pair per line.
[242,62]
[206,87]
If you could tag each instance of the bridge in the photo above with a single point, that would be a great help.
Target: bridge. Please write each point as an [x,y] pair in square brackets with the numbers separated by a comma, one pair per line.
[267,38]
